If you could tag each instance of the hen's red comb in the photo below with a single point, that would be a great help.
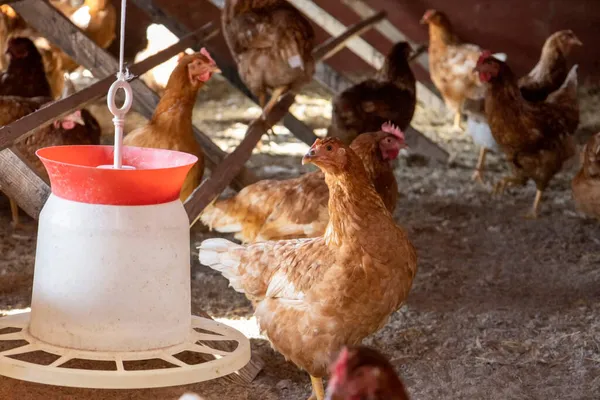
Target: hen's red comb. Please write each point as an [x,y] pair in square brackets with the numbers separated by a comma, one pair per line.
[393,129]
[485,54]
[206,54]
[428,14]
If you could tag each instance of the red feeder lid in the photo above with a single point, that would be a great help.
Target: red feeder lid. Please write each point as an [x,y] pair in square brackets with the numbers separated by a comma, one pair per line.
[157,178]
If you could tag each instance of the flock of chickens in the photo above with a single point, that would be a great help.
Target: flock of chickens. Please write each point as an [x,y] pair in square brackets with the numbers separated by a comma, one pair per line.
[322,260]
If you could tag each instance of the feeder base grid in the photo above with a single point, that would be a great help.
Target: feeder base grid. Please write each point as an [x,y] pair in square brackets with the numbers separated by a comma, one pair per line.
[116,370]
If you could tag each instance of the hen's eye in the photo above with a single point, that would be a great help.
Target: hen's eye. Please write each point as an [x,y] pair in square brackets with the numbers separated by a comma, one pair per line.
[329,148]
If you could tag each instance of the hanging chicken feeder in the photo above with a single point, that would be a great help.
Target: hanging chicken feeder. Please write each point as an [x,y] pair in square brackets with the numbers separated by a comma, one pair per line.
[112,274]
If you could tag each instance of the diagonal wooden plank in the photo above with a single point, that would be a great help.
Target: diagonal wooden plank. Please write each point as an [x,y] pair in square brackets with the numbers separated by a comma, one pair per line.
[356,30]
[41,16]
[21,183]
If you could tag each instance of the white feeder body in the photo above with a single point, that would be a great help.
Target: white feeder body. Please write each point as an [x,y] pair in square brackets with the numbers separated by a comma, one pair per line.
[112,278]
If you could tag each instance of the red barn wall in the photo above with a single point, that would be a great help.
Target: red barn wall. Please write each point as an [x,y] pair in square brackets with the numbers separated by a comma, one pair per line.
[516,27]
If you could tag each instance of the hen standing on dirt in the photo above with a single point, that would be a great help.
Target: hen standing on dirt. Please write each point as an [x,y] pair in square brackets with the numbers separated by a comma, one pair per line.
[171,124]
[272,44]
[536,137]
[451,64]
[364,373]
[368,105]
[314,296]
[586,184]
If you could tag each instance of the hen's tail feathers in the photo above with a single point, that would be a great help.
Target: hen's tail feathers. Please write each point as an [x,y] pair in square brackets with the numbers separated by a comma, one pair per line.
[223,256]
[568,90]
[571,79]
[216,218]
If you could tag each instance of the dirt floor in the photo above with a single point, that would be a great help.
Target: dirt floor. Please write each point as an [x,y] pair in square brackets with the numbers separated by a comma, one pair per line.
[502,307]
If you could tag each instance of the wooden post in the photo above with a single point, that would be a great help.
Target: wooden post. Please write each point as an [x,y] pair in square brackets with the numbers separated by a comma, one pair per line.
[42,17]
[19,182]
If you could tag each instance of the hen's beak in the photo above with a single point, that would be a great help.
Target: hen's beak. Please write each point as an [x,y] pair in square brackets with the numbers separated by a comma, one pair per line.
[309,157]
[216,70]
[576,42]
[77,118]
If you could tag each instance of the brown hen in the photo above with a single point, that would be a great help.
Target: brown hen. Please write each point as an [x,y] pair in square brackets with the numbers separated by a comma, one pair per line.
[314,296]
[272,44]
[586,184]
[535,137]
[389,97]
[297,208]
[363,373]
[171,124]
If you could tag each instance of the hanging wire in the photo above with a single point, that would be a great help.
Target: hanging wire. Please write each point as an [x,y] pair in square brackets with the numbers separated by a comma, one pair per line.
[121,83]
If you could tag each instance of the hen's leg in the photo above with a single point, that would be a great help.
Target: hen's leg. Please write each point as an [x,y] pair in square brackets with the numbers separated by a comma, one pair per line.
[318,390]
[273,100]
[14,209]
[507,182]
[533,214]
[457,121]
[478,174]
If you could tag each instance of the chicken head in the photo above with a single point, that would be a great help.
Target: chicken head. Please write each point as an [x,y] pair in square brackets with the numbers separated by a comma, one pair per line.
[201,67]
[433,17]
[391,144]
[327,154]
[21,47]
[487,67]
[364,373]
[566,40]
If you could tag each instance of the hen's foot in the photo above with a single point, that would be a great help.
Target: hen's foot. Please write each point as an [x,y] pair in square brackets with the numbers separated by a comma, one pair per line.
[533,213]
[478,176]
[505,182]
[272,101]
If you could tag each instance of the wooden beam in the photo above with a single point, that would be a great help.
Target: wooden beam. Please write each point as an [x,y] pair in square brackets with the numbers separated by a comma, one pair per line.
[385,27]
[33,122]
[220,176]
[229,71]
[42,17]
[335,28]
[19,182]
[352,31]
